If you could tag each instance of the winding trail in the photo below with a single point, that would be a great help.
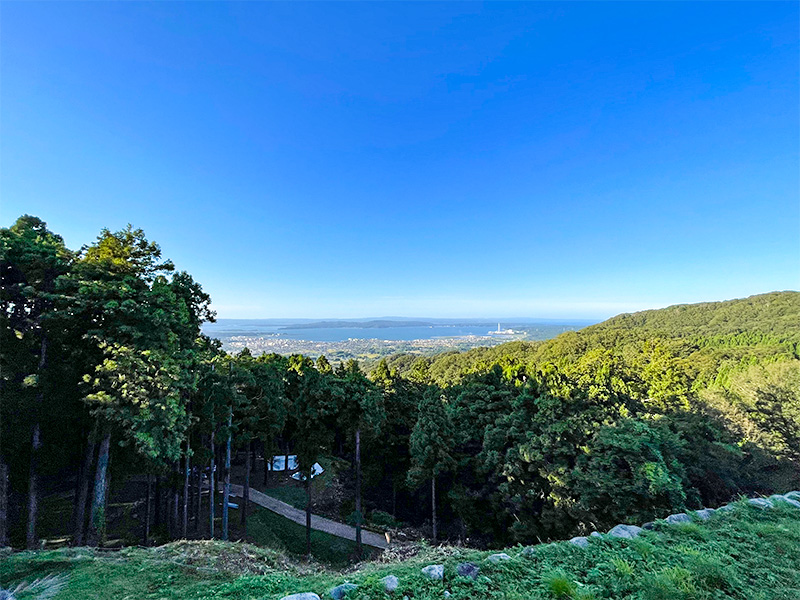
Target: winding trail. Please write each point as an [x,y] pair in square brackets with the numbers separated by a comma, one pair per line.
[376,540]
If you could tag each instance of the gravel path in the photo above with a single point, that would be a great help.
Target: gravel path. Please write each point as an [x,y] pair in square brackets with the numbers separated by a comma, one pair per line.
[376,540]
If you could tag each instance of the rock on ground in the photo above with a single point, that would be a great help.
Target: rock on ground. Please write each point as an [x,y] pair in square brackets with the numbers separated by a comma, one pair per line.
[302,596]
[390,583]
[434,571]
[704,514]
[580,541]
[627,532]
[468,569]
[760,503]
[678,518]
[340,591]
[496,558]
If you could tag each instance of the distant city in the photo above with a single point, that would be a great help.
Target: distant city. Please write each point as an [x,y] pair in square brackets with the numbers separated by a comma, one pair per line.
[371,339]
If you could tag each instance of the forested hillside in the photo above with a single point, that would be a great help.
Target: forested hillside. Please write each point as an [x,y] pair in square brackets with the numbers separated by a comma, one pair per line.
[107,381]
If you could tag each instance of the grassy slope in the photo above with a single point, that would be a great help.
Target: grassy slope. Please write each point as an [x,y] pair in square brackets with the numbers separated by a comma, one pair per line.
[747,554]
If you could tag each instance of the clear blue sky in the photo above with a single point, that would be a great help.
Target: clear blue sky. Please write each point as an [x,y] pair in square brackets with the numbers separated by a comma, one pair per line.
[367,159]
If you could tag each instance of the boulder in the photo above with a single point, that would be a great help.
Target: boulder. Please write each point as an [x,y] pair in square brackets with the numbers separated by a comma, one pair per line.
[340,591]
[468,569]
[580,541]
[529,552]
[761,503]
[390,583]
[446,594]
[496,558]
[704,514]
[678,518]
[776,499]
[595,534]
[792,495]
[302,596]
[726,508]
[627,532]
[434,571]
[650,525]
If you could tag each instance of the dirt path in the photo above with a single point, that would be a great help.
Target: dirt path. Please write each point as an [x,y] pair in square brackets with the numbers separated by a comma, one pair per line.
[376,540]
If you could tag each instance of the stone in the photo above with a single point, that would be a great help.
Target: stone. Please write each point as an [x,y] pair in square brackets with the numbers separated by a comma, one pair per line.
[627,532]
[704,514]
[468,569]
[595,534]
[434,571]
[496,558]
[302,596]
[792,495]
[784,500]
[340,591]
[390,583]
[580,541]
[761,503]
[446,594]
[650,525]
[678,518]
[726,508]
[529,552]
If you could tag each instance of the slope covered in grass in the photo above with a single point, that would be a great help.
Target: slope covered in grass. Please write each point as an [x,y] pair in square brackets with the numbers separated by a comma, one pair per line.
[747,554]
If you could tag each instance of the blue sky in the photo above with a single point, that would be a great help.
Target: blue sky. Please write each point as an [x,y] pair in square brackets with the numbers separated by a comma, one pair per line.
[368,159]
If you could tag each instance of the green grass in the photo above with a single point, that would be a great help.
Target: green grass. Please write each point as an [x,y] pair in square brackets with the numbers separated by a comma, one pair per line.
[748,554]
[265,528]
[293,496]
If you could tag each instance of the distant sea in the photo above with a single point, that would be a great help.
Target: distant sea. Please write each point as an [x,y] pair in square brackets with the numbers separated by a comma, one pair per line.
[225,329]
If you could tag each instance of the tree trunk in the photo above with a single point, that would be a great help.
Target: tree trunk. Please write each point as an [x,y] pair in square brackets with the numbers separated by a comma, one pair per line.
[358,493]
[186,470]
[97,518]
[286,464]
[267,463]
[147,510]
[198,501]
[394,497]
[36,445]
[3,504]
[176,499]
[157,502]
[433,505]
[246,489]
[226,490]
[212,488]
[33,487]
[308,517]
[79,518]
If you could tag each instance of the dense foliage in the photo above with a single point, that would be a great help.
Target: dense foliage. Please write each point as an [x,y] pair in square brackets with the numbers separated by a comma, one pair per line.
[105,376]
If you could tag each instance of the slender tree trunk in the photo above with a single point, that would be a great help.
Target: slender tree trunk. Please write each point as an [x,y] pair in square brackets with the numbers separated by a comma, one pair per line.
[308,516]
[246,489]
[176,499]
[186,470]
[394,497]
[79,526]
[36,445]
[212,486]
[97,518]
[433,505]
[3,504]
[286,464]
[198,501]
[226,490]
[358,493]
[33,487]
[148,508]
[157,503]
